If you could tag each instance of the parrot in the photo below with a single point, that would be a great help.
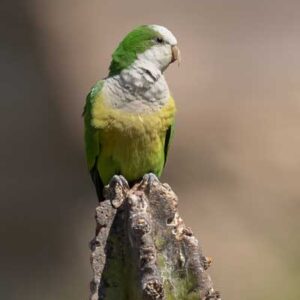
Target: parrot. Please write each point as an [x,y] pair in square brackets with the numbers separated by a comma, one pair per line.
[129,116]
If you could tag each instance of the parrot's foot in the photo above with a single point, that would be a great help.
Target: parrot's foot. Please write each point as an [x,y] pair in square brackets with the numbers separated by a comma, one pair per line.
[149,179]
[119,180]
[119,185]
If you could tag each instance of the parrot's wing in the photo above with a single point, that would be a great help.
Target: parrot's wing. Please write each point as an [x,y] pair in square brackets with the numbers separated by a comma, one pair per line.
[168,139]
[91,136]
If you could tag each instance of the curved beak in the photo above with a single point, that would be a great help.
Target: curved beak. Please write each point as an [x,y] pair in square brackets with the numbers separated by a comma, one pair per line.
[176,54]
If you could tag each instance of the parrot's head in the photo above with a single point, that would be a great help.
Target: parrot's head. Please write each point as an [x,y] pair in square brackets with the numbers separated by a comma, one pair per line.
[151,46]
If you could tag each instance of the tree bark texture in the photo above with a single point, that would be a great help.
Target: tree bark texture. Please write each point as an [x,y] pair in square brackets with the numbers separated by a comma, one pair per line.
[142,249]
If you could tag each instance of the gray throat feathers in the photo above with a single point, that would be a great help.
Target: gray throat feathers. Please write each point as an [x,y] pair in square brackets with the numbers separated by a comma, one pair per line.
[141,88]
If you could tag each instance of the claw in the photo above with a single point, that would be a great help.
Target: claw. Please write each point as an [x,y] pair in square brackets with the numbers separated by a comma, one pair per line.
[149,179]
[124,181]
[120,180]
[119,186]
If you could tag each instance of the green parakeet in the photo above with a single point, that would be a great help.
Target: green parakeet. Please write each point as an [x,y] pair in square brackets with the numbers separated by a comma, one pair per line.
[129,115]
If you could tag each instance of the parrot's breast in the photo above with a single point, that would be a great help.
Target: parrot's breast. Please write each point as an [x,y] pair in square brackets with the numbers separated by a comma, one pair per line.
[131,144]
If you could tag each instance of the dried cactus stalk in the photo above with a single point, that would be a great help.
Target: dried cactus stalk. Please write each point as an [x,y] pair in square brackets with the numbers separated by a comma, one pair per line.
[142,249]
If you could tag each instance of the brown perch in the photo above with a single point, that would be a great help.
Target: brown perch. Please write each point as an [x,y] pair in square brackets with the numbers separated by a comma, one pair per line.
[143,250]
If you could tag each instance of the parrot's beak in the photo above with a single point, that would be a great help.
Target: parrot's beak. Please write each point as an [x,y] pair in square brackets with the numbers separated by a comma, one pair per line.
[176,54]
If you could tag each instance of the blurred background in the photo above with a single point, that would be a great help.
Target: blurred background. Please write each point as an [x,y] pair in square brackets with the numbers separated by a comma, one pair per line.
[234,163]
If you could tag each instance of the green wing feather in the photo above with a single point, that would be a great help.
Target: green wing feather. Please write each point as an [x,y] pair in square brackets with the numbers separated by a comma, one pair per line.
[168,139]
[91,136]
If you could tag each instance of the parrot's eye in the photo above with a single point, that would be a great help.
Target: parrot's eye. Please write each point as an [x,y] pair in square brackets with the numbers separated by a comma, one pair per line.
[159,40]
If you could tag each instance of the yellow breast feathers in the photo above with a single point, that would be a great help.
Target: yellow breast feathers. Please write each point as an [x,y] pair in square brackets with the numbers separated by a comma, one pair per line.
[110,119]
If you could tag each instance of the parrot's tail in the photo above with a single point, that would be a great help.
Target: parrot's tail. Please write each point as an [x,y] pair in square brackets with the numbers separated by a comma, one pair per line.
[97,182]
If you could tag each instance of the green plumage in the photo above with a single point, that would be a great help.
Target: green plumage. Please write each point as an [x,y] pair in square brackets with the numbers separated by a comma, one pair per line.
[92,143]
[137,41]
[120,142]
